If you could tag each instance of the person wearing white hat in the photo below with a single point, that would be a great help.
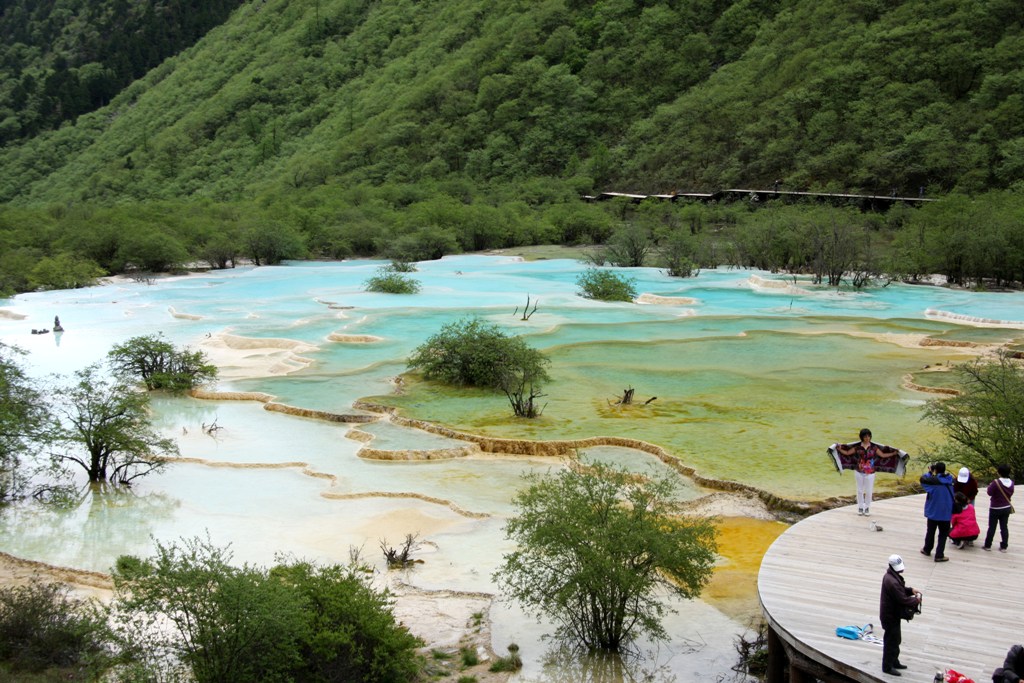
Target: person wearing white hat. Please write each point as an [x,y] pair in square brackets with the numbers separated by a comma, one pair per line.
[897,600]
[966,484]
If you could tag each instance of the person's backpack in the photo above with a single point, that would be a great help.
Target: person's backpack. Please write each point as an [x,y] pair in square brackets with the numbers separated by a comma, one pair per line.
[853,632]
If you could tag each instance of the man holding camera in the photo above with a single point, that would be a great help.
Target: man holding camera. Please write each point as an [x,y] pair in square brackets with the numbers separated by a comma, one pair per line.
[938,508]
[898,601]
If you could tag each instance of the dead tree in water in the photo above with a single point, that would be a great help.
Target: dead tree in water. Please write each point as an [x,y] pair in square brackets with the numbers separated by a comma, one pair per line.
[627,398]
[526,310]
[400,558]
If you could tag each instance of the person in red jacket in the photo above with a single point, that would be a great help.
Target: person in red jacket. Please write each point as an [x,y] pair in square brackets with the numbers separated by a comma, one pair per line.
[964,528]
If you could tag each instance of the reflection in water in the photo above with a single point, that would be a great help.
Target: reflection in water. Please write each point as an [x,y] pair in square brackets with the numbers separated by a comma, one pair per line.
[566,664]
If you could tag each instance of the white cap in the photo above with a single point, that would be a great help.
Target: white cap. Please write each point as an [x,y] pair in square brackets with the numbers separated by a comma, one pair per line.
[963,475]
[896,562]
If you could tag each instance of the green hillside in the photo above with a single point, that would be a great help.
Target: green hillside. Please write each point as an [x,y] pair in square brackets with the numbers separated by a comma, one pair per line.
[291,95]
[416,128]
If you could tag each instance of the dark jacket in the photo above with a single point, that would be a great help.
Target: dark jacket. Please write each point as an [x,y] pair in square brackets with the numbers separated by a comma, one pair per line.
[939,503]
[969,488]
[1012,668]
[895,596]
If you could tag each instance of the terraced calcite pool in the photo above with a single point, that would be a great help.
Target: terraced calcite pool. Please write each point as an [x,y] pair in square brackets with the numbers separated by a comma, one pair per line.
[754,375]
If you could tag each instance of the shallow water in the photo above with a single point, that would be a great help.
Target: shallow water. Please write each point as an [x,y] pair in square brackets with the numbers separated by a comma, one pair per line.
[752,382]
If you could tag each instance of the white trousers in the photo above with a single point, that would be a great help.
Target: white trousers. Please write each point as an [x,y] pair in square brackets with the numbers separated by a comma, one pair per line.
[865,487]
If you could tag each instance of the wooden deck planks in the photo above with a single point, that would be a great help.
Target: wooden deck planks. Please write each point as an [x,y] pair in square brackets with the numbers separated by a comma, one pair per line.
[826,571]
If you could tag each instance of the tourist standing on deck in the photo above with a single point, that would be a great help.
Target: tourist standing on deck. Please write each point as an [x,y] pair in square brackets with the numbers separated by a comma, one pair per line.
[1000,491]
[938,508]
[897,600]
[966,484]
[867,453]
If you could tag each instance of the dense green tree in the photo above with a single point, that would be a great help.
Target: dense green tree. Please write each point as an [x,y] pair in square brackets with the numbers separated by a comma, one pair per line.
[295,621]
[158,364]
[984,424]
[23,415]
[628,246]
[43,626]
[595,548]
[388,281]
[188,604]
[104,428]
[268,243]
[64,271]
[606,285]
[152,252]
[350,632]
[471,352]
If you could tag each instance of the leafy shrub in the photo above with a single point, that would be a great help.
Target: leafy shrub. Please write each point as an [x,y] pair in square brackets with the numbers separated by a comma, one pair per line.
[513,662]
[469,656]
[401,267]
[159,365]
[425,244]
[595,547]
[42,626]
[387,281]
[297,621]
[473,353]
[351,633]
[226,623]
[606,285]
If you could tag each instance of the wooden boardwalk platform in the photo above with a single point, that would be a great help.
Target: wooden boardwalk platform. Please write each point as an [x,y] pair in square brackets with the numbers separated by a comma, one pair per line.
[826,571]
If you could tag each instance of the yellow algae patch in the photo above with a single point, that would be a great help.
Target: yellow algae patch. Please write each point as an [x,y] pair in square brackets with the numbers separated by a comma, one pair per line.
[353,338]
[742,543]
[245,357]
[11,315]
[646,298]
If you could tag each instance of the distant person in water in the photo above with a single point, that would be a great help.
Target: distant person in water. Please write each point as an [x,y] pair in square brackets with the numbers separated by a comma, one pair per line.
[867,454]
[966,484]
[1000,491]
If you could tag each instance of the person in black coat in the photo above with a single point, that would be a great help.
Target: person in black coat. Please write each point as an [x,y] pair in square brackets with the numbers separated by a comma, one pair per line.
[897,598]
[1013,668]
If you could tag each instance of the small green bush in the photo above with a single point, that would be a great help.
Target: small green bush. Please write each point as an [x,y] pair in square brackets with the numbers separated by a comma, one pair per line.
[513,662]
[469,656]
[402,267]
[387,281]
[42,626]
[606,285]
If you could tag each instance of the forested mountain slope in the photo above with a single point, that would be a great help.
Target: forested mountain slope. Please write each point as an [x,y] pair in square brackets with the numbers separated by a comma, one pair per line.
[62,58]
[291,95]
